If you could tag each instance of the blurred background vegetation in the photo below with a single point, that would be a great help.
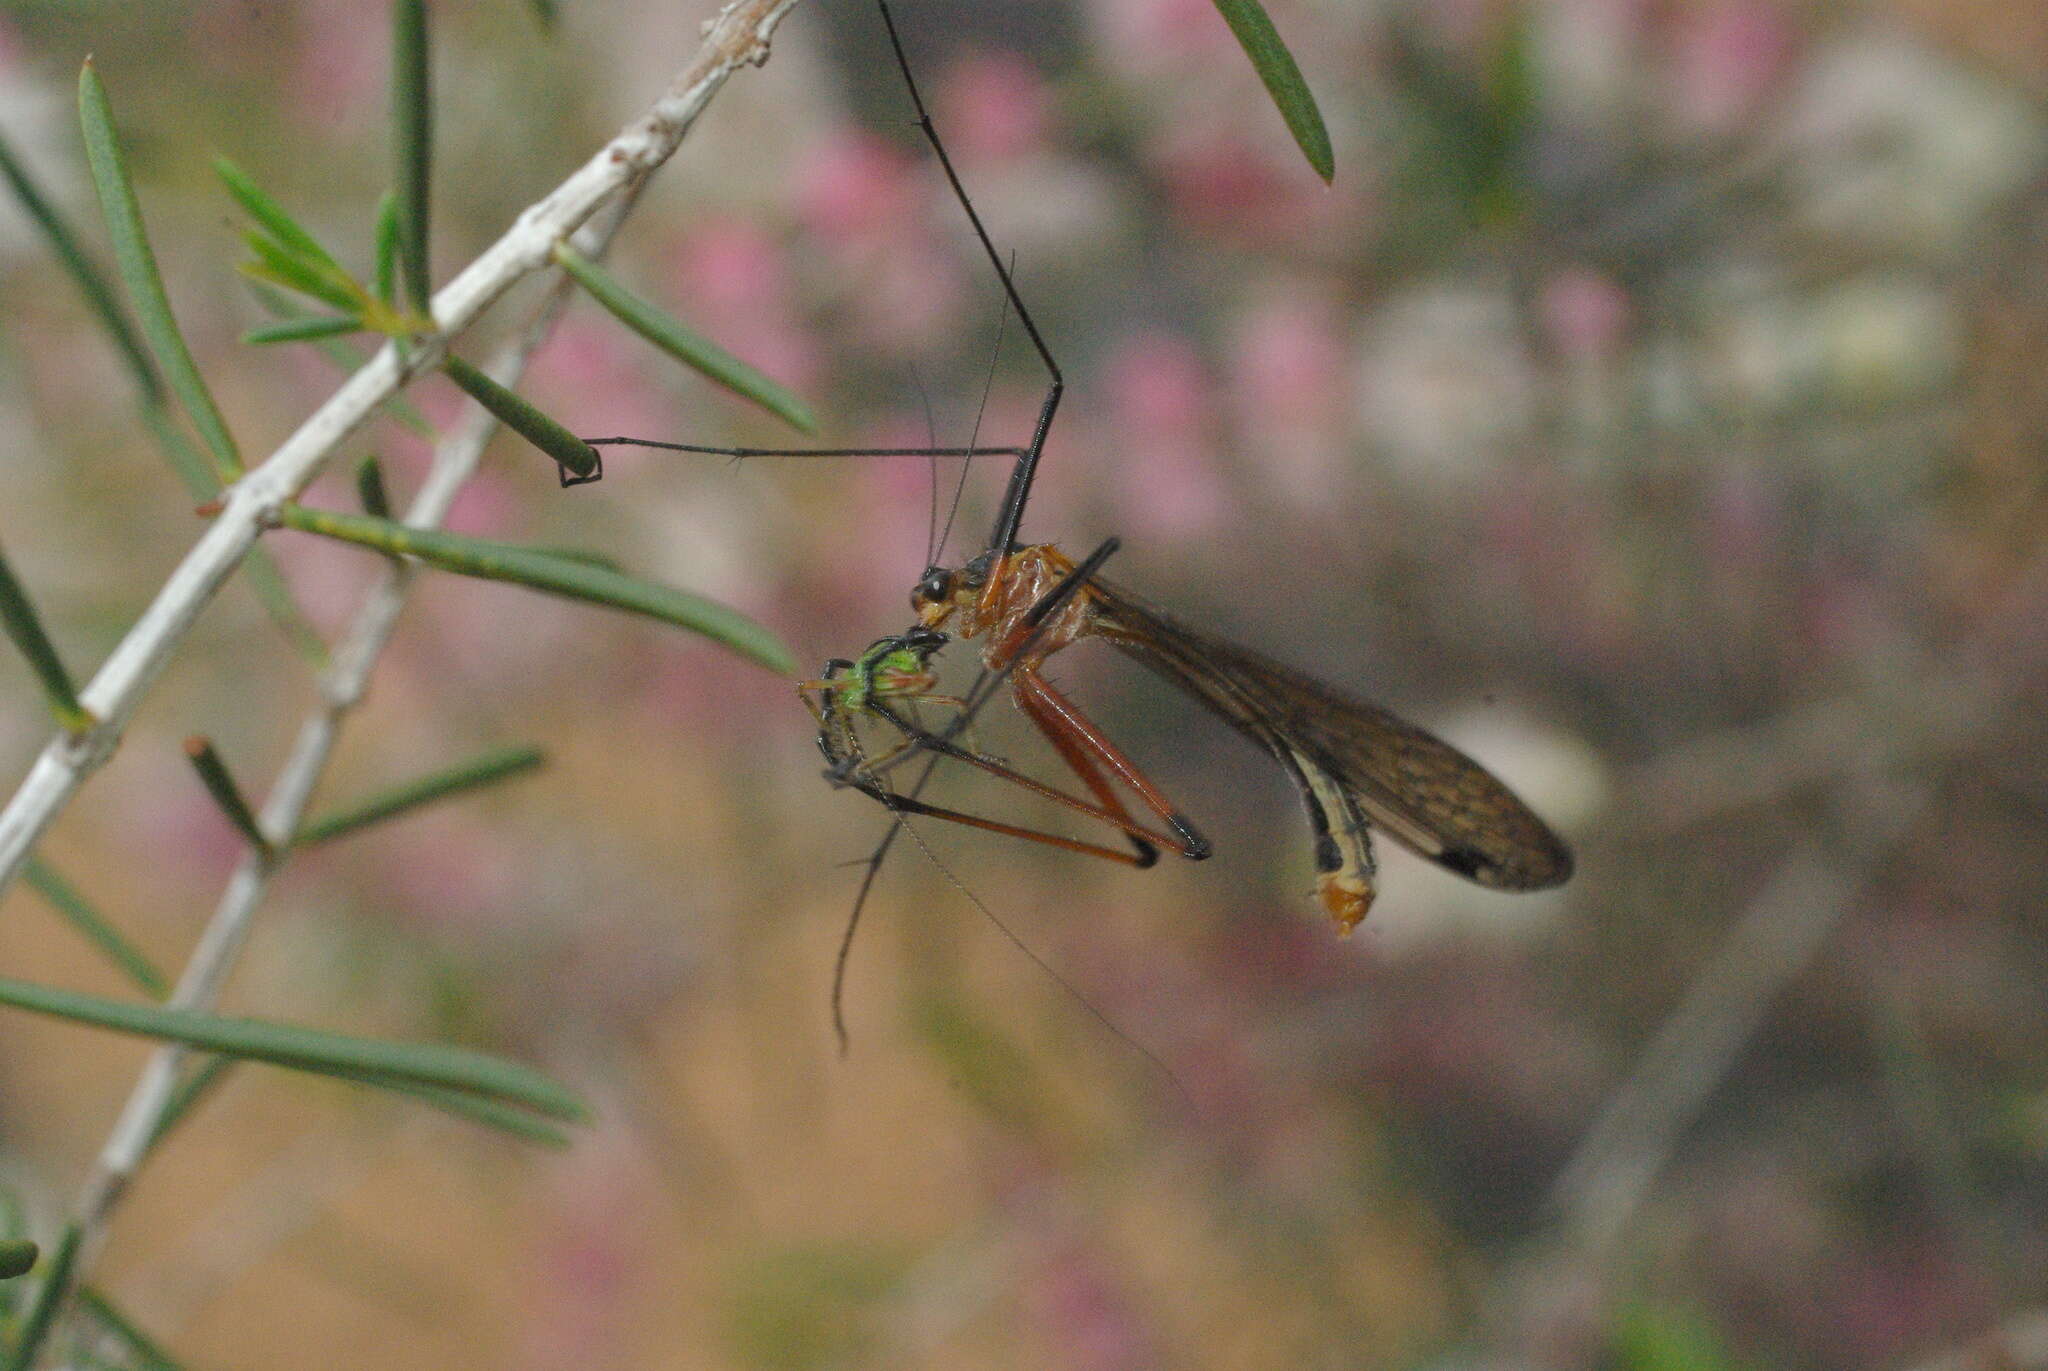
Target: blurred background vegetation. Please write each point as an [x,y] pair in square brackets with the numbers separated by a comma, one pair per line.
[1654,405]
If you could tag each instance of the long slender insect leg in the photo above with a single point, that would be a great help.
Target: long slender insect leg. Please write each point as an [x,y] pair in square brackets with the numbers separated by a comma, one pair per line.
[1019,490]
[1089,751]
[1082,765]
[1110,811]
[904,804]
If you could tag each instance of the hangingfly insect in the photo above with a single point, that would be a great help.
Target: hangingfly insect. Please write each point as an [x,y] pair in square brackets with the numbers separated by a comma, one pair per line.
[1355,765]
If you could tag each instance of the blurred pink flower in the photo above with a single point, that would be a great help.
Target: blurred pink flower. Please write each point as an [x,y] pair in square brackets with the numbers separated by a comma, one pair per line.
[734,285]
[1159,385]
[1077,459]
[594,376]
[327,578]
[1226,182]
[1842,615]
[1725,59]
[1744,520]
[440,402]
[729,266]
[853,186]
[1290,354]
[164,814]
[1164,427]
[1466,27]
[690,688]
[1288,389]
[894,495]
[1585,314]
[993,107]
[455,876]
[596,1241]
[1085,1313]
[1472,1031]
[340,72]
[909,298]
[489,504]
[1912,1295]
[1146,37]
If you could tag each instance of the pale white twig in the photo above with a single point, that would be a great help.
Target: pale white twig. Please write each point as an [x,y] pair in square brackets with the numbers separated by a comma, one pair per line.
[342,686]
[739,35]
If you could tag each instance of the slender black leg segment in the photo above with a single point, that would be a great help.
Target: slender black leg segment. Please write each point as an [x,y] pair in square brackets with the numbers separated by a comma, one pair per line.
[1021,476]
[737,453]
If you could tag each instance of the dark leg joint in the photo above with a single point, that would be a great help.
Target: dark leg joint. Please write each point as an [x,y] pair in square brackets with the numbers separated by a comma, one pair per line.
[1193,845]
[570,478]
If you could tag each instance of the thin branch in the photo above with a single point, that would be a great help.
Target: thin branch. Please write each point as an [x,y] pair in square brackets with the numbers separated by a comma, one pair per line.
[738,36]
[341,689]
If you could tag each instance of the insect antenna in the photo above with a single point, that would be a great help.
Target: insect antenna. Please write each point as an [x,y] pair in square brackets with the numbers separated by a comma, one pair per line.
[979,693]
[931,431]
[1073,991]
[988,384]
[901,826]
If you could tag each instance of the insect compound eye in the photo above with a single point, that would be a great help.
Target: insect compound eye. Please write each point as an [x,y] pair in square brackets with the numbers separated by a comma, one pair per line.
[935,589]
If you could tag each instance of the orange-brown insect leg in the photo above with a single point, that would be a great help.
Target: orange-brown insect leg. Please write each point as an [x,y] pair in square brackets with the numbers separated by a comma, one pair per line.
[1088,751]
[904,804]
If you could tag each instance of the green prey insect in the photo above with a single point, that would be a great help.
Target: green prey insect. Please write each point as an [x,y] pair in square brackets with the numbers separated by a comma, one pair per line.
[887,683]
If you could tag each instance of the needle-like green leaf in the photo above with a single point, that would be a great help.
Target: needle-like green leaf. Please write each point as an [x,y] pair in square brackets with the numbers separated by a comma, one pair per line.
[385,246]
[370,492]
[64,243]
[79,913]
[137,265]
[675,338]
[199,479]
[485,769]
[25,627]
[17,1257]
[303,330]
[192,1087]
[412,126]
[309,1049]
[276,263]
[220,784]
[520,1123]
[143,1351]
[341,353]
[554,574]
[49,1299]
[1276,67]
[274,218]
[516,413]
